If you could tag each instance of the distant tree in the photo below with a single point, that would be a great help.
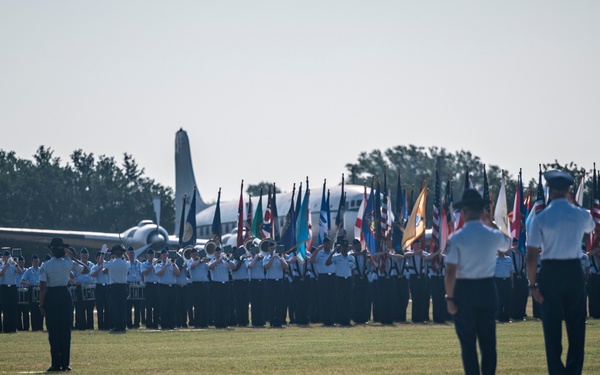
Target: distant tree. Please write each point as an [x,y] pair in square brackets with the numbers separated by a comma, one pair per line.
[254,190]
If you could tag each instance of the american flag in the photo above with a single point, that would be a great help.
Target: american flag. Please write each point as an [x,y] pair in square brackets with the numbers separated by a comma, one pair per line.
[486,190]
[540,201]
[358,233]
[449,206]
[435,227]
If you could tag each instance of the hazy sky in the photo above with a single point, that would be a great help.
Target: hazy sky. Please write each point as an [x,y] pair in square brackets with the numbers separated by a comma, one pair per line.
[278,90]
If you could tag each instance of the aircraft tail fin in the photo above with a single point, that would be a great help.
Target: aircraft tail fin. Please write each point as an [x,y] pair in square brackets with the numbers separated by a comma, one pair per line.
[184,177]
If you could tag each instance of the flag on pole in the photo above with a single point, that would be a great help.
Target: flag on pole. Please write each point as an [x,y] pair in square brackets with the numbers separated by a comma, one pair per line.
[579,195]
[540,201]
[358,233]
[216,224]
[267,229]
[189,231]
[400,216]
[298,203]
[450,212]
[257,223]
[288,232]
[384,208]
[459,220]
[436,217]
[377,212]
[248,223]
[328,213]
[182,222]
[486,192]
[517,226]
[415,227]
[302,227]
[339,217]
[275,215]
[369,223]
[240,223]
[323,224]
[309,214]
[501,210]
[595,210]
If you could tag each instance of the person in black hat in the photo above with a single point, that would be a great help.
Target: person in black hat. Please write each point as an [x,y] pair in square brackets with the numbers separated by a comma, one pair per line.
[31,279]
[470,290]
[8,291]
[556,234]
[56,303]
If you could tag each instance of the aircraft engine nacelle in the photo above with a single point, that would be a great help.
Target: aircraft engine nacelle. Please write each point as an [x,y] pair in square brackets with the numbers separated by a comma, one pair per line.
[146,233]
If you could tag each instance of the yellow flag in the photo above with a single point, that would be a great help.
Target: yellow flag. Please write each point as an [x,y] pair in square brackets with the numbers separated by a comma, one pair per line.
[416,223]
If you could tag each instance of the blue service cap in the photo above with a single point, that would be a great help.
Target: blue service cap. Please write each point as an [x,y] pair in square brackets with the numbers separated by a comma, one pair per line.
[150,251]
[165,250]
[6,253]
[84,251]
[34,256]
[326,239]
[130,248]
[557,179]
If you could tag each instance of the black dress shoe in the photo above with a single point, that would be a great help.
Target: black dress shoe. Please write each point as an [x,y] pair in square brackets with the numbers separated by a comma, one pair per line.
[68,368]
[53,369]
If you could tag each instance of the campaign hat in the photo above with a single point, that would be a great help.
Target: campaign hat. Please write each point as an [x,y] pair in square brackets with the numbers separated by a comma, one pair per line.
[472,199]
[57,242]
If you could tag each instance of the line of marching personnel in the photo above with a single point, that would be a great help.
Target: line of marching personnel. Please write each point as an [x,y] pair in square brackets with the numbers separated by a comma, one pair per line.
[335,284]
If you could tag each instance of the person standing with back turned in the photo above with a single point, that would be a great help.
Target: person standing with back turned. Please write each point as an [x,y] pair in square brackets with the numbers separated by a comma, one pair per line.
[56,304]
[471,293]
[557,231]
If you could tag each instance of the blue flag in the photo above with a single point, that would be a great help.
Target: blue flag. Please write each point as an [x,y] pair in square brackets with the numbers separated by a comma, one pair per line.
[216,224]
[288,232]
[275,215]
[182,221]
[189,230]
[368,223]
[323,223]
[302,230]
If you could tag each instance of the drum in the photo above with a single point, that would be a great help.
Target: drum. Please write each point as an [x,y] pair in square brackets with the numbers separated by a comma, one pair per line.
[72,290]
[23,296]
[35,294]
[136,292]
[88,292]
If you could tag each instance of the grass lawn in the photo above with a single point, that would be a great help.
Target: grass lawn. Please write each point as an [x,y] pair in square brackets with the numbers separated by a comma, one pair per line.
[403,348]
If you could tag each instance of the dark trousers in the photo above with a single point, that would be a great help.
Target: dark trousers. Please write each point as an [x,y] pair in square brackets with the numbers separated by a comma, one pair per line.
[103,315]
[289,309]
[151,293]
[327,298]
[402,296]
[167,296]
[84,311]
[302,288]
[420,298]
[361,300]
[135,306]
[275,303]
[385,291]
[504,289]
[59,318]
[9,297]
[199,298]
[181,310]
[118,306]
[476,301]
[343,286]
[520,292]
[438,291]
[563,286]
[594,295]
[374,292]
[37,320]
[23,316]
[314,312]
[220,297]
[257,301]
[241,290]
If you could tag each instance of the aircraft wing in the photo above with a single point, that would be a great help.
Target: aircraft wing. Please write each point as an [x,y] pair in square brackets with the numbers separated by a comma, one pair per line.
[75,238]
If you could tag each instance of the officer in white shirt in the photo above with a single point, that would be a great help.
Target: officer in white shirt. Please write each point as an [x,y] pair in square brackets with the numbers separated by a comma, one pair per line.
[84,306]
[326,282]
[275,265]
[361,295]
[558,231]
[151,292]
[134,277]
[31,279]
[241,286]
[199,294]
[117,275]
[470,291]
[8,291]
[102,292]
[503,277]
[167,272]
[344,267]
[594,283]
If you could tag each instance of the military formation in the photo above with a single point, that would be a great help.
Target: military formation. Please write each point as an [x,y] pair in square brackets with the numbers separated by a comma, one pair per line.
[259,285]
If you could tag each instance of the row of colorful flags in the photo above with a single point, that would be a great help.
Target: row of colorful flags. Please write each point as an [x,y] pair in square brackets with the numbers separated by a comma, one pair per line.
[379,225]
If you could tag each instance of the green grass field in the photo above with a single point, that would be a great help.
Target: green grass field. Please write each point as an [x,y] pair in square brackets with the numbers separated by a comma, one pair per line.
[403,348]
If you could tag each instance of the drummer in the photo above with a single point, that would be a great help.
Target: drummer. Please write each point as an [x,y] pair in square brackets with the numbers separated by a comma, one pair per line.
[84,306]
[23,306]
[31,280]
[8,292]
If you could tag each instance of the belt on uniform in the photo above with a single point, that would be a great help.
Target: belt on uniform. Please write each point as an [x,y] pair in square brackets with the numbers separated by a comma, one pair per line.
[169,285]
[503,278]
[274,279]
[344,277]
[8,285]
[103,284]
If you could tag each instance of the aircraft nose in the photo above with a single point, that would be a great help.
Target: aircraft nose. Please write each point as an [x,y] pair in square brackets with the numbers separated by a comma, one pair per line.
[157,240]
